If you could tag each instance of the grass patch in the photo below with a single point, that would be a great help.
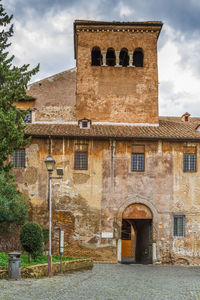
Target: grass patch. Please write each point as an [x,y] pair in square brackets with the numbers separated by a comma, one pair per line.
[42,259]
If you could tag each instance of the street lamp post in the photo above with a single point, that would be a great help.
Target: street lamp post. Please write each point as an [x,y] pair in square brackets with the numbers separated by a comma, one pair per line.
[50,163]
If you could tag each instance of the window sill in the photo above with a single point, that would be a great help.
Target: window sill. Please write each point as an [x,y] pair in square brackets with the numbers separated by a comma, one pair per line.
[137,171]
[81,171]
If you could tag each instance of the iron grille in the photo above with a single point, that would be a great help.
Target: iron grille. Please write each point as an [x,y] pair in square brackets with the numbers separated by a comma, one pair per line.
[137,162]
[18,158]
[81,160]
[179,226]
[189,162]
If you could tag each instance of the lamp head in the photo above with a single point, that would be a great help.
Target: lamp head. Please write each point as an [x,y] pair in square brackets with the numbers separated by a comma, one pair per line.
[50,163]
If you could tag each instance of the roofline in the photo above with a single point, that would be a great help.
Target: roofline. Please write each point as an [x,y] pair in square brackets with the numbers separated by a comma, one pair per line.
[118,23]
[51,76]
[113,23]
[116,137]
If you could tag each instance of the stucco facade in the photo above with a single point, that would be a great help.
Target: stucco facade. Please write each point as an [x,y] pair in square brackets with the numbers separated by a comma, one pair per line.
[109,210]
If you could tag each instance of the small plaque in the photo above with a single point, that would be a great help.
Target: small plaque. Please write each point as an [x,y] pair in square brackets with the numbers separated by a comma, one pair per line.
[61,241]
[107,235]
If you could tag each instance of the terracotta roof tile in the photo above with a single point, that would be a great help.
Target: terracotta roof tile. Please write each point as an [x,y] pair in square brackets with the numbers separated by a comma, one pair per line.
[169,128]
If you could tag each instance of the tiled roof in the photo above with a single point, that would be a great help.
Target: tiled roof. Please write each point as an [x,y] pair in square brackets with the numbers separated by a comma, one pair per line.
[170,128]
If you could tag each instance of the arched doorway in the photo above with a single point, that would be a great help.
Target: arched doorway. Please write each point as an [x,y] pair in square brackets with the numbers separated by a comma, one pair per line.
[136,234]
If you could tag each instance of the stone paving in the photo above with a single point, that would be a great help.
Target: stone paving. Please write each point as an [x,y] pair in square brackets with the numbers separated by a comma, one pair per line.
[110,282]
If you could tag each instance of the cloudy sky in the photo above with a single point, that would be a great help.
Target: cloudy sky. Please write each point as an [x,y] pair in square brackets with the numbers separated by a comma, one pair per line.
[44,34]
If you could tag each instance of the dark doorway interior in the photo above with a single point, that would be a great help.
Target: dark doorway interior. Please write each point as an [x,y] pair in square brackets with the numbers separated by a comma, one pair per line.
[137,241]
[143,252]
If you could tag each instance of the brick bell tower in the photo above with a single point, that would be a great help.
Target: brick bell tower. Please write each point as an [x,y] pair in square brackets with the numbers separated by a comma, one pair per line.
[117,72]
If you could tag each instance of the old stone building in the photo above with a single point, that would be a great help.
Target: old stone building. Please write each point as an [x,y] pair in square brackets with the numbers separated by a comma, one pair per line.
[130,190]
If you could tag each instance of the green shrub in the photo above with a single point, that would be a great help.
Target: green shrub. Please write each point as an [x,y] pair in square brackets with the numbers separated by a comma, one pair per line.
[13,206]
[31,238]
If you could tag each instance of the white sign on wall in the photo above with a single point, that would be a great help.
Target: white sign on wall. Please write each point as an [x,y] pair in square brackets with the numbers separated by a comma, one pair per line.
[107,235]
[61,241]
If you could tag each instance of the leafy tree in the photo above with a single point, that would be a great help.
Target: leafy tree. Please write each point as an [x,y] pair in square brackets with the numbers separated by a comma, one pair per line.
[13,207]
[13,84]
[31,239]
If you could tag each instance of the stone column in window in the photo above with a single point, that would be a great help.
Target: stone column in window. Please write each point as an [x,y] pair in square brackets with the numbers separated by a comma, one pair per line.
[117,58]
[33,114]
[104,58]
[130,59]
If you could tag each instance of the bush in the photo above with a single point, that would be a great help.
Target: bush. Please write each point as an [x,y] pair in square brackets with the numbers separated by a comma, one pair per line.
[31,238]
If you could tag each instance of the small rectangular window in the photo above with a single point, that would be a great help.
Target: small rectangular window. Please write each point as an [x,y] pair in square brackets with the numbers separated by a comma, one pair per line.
[18,158]
[189,162]
[179,226]
[81,160]
[137,162]
[28,118]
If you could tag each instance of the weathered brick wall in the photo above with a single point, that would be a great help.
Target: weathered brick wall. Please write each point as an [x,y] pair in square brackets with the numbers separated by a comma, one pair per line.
[89,202]
[56,90]
[117,94]
[55,97]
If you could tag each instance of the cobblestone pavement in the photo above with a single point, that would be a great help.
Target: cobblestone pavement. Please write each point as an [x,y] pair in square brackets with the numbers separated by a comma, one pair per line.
[110,282]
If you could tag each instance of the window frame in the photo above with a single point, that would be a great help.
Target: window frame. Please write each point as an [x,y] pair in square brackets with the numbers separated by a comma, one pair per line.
[184,161]
[78,165]
[178,233]
[137,154]
[83,122]
[17,160]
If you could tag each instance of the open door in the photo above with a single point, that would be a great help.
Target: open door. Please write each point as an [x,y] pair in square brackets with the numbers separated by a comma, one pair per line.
[137,235]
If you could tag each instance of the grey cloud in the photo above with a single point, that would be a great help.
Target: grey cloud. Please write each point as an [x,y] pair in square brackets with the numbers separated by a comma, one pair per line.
[189,51]
[181,15]
[41,8]
[176,104]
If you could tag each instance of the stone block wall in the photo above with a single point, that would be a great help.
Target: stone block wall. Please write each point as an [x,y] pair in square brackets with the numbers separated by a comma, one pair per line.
[39,271]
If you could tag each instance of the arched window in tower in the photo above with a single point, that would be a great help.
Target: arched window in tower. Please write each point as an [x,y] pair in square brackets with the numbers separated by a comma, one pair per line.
[138,57]
[124,57]
[96,56]
[110,57]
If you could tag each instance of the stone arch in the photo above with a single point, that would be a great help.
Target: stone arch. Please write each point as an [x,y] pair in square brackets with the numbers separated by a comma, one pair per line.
[138,200]
[110,57]
[124,57]
[137,211]
[138,57]
[137,220]
[96,57]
